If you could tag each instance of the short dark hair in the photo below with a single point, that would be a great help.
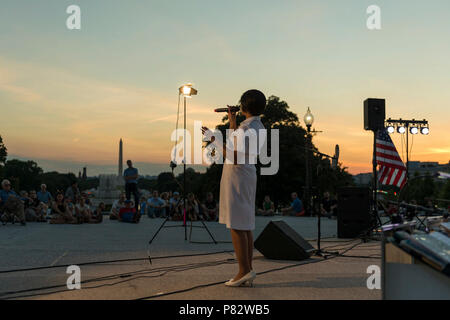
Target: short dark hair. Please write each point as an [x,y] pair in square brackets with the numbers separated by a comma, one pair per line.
[254,102]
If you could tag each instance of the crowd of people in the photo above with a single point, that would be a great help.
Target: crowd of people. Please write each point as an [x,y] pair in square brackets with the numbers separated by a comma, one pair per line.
[168,205]
[327,207]
[75,207]
[72,206]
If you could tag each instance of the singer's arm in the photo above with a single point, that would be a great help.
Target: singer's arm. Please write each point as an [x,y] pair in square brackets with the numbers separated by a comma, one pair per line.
[232,118]
[233,126]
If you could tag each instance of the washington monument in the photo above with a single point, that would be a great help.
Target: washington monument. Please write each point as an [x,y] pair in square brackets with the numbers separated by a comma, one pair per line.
[120,158]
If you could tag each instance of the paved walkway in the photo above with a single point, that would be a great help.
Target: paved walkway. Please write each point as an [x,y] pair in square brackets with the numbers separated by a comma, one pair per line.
[40,244]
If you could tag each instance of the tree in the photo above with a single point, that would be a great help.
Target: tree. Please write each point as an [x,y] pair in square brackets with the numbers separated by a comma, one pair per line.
[3,152]
[24,175]
[166,182]
[56,182]
[147,184]
[445,191]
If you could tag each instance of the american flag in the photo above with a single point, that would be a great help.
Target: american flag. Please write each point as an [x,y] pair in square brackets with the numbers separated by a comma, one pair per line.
[392,171]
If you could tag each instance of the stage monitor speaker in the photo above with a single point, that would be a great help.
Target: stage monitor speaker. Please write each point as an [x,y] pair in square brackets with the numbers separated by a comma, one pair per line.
[374,114]
[353,211]
[280,242]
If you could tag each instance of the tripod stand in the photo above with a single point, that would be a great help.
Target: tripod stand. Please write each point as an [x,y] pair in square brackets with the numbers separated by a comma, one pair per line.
[319,252]
[186,90]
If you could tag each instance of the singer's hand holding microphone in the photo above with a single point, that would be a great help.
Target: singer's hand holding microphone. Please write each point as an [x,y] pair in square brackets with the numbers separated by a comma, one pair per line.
[232,110]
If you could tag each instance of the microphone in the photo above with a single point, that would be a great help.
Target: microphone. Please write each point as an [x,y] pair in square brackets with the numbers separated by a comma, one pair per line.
[232,108]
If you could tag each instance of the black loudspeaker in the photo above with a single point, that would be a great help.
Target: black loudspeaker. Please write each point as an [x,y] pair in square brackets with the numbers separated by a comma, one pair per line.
[280,242]
[374,114]
[353,211]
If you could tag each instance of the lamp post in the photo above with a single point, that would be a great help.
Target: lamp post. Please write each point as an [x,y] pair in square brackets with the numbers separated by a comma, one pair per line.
[309,120]
[309,204]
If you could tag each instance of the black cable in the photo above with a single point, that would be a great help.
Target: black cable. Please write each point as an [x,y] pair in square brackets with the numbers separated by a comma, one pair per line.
[112,261]
[164,271]
[362,257]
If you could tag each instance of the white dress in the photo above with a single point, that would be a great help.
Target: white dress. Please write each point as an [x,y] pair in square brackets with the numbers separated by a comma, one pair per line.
[238,188]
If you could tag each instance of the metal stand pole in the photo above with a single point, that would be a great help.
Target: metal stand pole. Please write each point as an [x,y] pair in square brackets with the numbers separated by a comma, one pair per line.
[375,181]
[407,152]
[184,172]
[307,173]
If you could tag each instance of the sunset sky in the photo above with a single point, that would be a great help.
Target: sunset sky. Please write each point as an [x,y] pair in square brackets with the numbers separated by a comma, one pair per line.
[68,96]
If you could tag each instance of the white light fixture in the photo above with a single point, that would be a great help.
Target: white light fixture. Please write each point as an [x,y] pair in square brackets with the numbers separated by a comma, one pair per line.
[414,130]
[308,118]
[401,129]
[187,90]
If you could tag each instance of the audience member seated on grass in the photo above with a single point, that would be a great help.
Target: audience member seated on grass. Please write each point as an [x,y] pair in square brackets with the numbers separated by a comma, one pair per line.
[176,207]
[72,192]
[31,214]
[61,212]
[83,212]
[38,208]
[328,206]
[166,208]
[11,207]
[97,214]
[296,208]
[117,205]
[156,206]
[87,201]
[268,208]
[143,206]
[44,196]
[129,213]
[210,208]
[192,208]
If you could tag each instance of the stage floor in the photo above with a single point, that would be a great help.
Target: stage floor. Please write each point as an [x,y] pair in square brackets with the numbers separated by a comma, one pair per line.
[40,244]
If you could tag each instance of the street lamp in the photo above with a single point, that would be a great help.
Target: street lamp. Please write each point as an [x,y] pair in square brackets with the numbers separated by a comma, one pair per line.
[309,205]
[309,119]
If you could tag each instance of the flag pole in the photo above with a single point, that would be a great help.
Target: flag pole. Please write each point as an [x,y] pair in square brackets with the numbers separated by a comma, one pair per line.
[375,178]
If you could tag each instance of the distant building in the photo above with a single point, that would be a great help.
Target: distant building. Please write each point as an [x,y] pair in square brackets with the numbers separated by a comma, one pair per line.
[84,176]
[422,168]
[363,179]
